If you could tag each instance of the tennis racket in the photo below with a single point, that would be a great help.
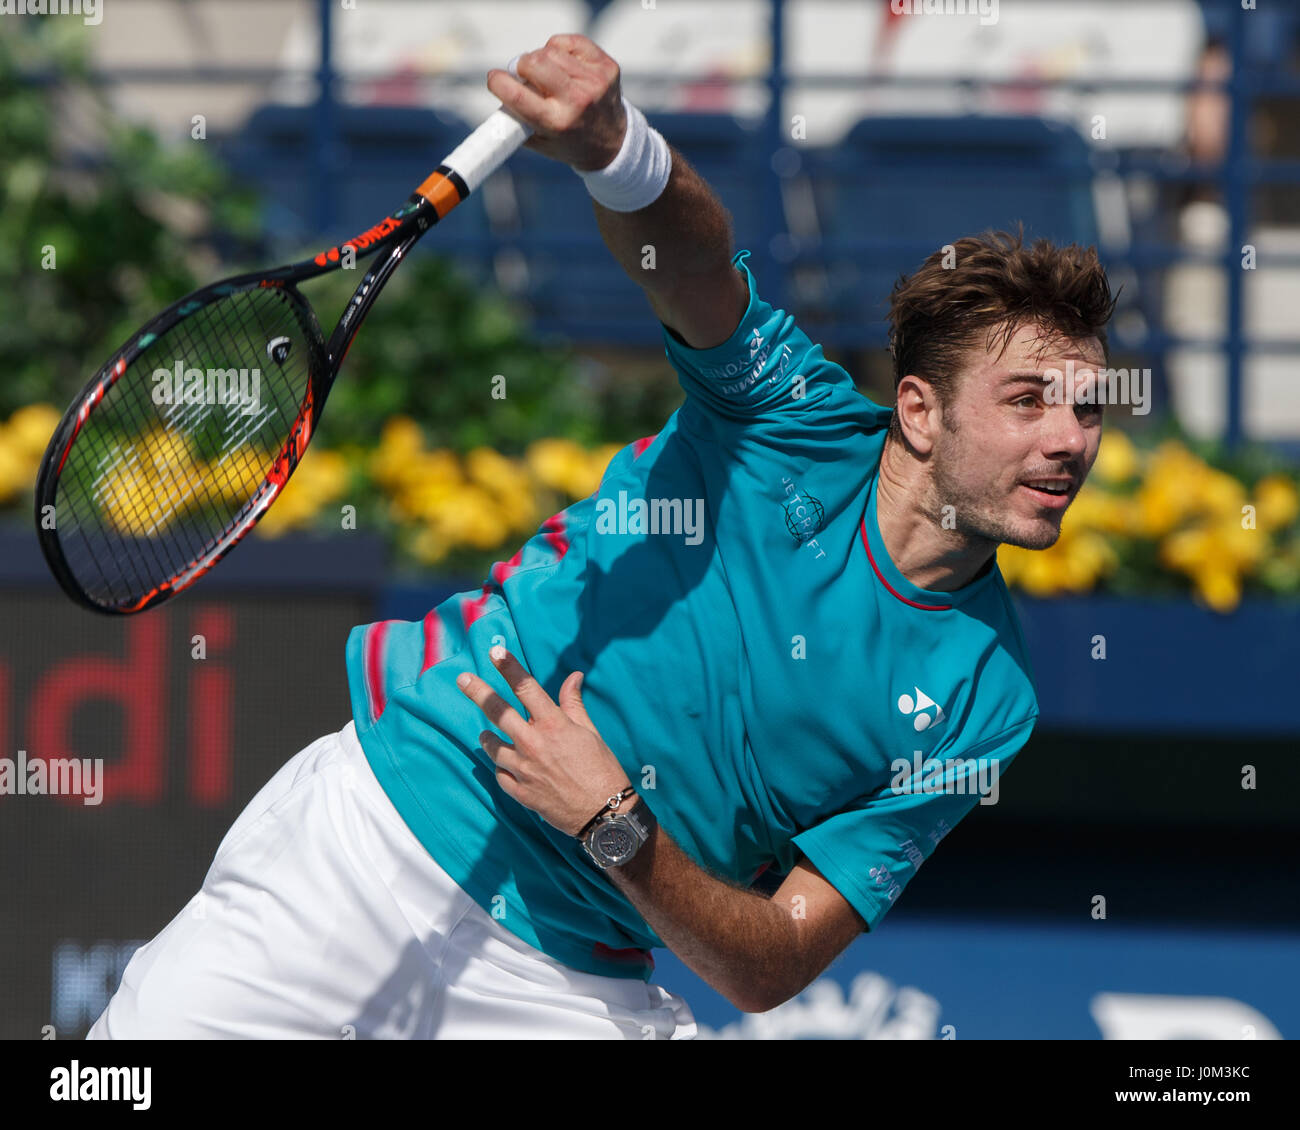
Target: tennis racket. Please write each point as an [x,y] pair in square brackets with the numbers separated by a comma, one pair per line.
[179,444]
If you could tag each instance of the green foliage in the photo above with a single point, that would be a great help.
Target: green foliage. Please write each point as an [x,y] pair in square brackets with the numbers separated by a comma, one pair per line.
[115,262]
[430,348]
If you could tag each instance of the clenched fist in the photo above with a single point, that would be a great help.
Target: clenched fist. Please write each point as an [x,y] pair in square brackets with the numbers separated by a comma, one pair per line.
[570,96]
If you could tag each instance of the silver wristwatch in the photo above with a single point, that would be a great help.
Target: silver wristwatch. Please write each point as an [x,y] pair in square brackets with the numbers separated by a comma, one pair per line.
[618,836]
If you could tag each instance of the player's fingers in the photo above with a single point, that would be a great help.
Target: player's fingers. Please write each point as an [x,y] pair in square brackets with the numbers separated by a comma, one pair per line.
[499,712]
[580,46]
[571,701]
[504,755]
[509,785]
[528,690]
[544,72]
[576,68]
[514,95]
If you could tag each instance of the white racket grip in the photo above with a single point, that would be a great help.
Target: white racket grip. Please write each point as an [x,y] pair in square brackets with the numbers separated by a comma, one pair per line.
[487,148]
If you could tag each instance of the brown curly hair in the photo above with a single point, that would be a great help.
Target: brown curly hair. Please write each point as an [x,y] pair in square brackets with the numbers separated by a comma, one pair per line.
[994,285]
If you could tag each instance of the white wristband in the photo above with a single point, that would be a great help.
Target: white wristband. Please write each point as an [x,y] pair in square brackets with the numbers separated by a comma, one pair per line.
[639,174]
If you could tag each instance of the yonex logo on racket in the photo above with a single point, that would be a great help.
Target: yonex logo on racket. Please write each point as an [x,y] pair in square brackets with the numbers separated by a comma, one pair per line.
[230,388]
[360,242]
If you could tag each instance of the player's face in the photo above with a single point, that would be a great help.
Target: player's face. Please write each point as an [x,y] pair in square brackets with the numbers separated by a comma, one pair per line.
[1016,445]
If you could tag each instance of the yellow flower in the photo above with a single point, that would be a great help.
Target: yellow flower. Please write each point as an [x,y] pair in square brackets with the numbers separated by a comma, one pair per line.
[428,547]
[236,475]
[1172,490]
[1038,576]
[401,445]
[1277,502]
[600,458]
[1238,545]
[127,503]
[468,516]
[1097,509]
[1221,494]
[320,478]
[30,428]
[1011,562]
[1087,557]
[431,477]
[153,481]
[1219,588]
[562,465]
[1186,550]
[327,473]
[1118,460]
[509,483]
[15,472]
[1080,557]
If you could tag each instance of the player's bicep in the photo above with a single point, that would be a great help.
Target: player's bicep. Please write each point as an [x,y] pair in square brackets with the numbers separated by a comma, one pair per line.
[704,310]
[765,370]
[824,920]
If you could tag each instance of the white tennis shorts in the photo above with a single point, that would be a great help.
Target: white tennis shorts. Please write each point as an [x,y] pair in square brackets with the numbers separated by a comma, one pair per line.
[323,917]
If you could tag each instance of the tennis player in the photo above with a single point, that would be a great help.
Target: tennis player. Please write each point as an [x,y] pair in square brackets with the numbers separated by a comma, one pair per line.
[775,637]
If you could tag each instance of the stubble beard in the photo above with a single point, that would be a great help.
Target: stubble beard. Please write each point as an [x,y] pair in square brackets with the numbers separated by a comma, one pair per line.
[976,517]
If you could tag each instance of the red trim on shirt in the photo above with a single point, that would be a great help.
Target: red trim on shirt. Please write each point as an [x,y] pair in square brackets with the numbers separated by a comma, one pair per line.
[502,570]
[556,537]
[471,610]
[432,643]
[871,557]
[375,638]
[630,956]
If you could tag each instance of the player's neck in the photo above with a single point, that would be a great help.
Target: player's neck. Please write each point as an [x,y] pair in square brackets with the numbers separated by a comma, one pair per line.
[928,555]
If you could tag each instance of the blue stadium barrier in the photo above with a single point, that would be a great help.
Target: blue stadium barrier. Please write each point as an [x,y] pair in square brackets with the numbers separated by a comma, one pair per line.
[381,154]
[302,206]
[997,978]
[570,282]
[897,189]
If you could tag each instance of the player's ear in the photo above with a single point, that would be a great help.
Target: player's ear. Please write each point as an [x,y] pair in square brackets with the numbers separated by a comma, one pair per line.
[918,413]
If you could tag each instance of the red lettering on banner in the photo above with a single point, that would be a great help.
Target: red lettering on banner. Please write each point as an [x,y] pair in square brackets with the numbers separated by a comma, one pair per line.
[4,710]
[137,683]
[210,710]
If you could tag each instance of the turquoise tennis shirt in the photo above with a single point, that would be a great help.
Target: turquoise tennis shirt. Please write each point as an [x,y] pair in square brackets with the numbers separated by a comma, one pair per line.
[770,682]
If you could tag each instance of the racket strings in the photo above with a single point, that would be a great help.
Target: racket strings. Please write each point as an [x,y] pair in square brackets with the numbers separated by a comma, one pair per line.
[182,442]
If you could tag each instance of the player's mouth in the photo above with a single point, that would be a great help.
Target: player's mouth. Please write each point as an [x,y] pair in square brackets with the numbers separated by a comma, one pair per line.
[1050,493]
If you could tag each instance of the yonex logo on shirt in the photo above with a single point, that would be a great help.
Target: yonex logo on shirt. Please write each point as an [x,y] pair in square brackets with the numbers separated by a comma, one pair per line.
[918,706]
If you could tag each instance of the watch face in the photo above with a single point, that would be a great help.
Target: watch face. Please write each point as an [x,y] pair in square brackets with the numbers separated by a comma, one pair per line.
[614,843]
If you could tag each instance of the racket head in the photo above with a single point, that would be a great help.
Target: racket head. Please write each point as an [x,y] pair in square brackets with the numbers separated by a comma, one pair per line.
[175,449]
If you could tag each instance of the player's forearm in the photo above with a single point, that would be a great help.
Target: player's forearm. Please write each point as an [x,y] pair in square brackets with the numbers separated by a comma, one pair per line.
[678,248]
[743,945]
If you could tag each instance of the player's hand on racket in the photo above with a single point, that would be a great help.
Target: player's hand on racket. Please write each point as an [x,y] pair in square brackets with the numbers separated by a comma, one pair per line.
[568,92]
[555,762]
